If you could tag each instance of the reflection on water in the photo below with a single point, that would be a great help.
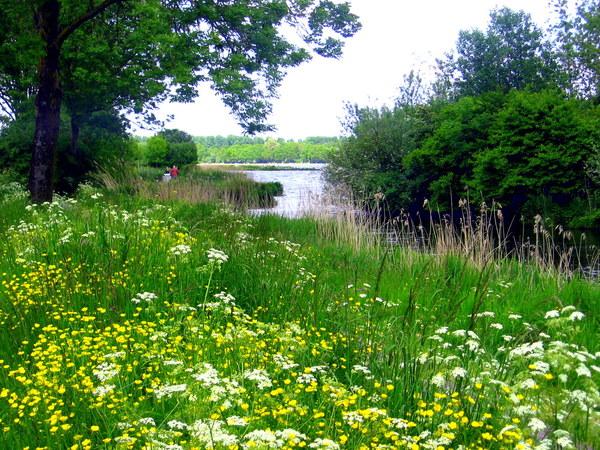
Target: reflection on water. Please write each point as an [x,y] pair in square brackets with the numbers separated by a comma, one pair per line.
[302,189]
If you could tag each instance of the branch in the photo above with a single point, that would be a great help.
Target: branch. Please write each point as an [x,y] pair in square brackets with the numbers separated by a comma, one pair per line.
[90,14]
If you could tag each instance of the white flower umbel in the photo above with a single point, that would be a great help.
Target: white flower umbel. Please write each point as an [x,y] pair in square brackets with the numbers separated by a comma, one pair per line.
[169,390]
[180,250]
[260,376]
[147,297]
[216,256]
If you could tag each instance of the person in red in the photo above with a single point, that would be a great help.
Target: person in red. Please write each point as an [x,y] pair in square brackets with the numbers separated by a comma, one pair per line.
[174,172]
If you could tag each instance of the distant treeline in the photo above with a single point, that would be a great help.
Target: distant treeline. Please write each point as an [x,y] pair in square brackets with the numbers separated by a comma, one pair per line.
[245,149]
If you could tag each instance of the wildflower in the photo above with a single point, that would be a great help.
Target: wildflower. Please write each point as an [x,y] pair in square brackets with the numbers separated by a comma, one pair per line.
[324,443]
[180,250]
[169,390]
[105,371]
[147,297]
[498,326]
[438,380]
[237,421]
[553,314]
[306,378]
[359,368]
[216,256]
[563,438]
[576,315]
[536,425]
[147,421]
[583,371]
[459,372]
[177,425]
[260,376]
[211,432]
[102,390]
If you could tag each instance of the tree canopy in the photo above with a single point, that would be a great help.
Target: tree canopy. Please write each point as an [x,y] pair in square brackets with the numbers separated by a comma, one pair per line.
[125,55]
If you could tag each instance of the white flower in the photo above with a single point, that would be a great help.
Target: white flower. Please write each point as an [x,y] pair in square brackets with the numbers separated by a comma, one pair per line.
[103,389]
[459,372]
[261,437]
[172,362]
[553,314]
[216,256]
[541,367]
[180,249]
[576,315]
[359,368]
[169,390]
[106,371]
[438,380]
[148,297]
[498,326]
[260,376]
[583,371]
[147,421]
[442,330]
[528,384]
[324,443]
[237,421]
[563,438]
[515,317]
[563,377]
[177,425]
[306,378]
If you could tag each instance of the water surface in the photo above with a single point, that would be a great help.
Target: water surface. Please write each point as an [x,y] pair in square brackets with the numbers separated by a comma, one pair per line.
[302,189]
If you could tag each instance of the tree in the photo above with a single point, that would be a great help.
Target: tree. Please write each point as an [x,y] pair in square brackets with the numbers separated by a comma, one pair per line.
[181,149]
[537,150]
[442,164]
[370,160]
[156,151]
[510,54]
[578,41]
[238,47]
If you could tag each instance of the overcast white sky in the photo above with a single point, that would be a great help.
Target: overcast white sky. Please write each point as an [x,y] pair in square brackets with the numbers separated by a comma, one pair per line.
[397,35]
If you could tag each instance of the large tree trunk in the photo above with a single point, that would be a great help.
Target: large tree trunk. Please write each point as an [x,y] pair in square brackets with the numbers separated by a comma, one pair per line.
[47,103]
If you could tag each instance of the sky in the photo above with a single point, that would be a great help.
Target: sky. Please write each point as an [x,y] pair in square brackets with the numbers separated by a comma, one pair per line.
[396,37]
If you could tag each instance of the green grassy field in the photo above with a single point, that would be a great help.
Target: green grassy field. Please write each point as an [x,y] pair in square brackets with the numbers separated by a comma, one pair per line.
[149,321]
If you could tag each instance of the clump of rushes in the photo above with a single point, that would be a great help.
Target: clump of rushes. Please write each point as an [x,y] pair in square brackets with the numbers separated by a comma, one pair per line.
[124,327]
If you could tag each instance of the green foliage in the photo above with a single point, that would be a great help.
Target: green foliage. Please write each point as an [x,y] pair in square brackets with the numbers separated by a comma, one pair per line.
[243,149]
[578,35]
[370,161]
[156,151]
[499,125]
[181,149]
[538,146]
[168,320]
[510,54]
[442,165]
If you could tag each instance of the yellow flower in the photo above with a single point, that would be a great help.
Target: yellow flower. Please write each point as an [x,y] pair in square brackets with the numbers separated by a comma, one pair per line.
[94,428]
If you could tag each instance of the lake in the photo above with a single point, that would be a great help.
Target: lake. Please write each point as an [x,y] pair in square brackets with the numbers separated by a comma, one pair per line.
[302,188]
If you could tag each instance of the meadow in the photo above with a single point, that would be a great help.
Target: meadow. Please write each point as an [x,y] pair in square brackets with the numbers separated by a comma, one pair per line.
[154,322]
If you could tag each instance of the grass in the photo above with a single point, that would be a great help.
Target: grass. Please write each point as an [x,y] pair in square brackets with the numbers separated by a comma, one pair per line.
[195,185]
[137,321]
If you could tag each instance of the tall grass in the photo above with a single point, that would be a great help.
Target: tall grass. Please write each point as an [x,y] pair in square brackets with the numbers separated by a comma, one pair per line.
[195,185]
[132,322]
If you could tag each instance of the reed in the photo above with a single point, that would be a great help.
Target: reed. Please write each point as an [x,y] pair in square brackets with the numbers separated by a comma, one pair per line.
[196,185]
